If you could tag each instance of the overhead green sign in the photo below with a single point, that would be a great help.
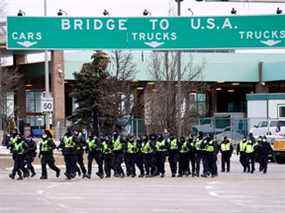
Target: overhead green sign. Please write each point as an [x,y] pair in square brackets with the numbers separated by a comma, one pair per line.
[146,33]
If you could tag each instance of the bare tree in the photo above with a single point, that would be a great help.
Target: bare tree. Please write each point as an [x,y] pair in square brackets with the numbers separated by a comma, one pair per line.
[9,77]
[161,100]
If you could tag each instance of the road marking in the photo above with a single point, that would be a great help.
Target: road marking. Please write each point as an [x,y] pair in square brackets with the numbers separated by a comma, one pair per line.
[40,192]
[214,194]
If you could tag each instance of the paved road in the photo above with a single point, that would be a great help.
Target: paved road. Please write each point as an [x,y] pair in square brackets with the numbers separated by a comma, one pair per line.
[234,192]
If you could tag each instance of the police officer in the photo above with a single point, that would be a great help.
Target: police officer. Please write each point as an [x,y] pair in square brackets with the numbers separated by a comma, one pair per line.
[161,151]
[153,156]
[94,150]
[198,152]
[18,149]
[264,150]
[47,146]
[241,153]
[148,151]
[139,156]
[211,157]
[80,144]
[130,156]
[192,154]
[183,157]
[226,149]
[118,154]
[68,146]
[173,155]
[107,147]
[250,156]
[30,155]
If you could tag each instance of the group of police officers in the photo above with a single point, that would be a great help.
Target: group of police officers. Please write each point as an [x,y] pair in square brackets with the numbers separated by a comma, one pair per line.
[147,153]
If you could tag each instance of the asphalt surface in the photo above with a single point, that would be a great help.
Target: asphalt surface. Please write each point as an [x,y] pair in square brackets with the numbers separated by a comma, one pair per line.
[230,192]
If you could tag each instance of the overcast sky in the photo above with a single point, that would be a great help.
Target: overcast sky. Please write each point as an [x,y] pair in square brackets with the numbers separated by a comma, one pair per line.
[135,7]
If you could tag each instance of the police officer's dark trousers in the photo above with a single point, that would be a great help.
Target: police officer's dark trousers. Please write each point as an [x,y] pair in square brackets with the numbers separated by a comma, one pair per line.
[139,163]
[198,159]
[29,158]
[99,160]
[242,160]
[117,163]
[212,163]
[130,164]
[48,159]
[263,163]
[147,163]
[173,159]
[205,163]
[18,165]
[70,162]
[226,161]
[107,164]
[250,162]
[183,163]
[192,162]
[80,161]
[161,157]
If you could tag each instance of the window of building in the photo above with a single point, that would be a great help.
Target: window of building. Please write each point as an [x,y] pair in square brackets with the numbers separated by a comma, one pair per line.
[33,101]
[281,111]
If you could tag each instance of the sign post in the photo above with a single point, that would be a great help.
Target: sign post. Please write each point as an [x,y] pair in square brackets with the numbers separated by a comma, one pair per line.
[164,33]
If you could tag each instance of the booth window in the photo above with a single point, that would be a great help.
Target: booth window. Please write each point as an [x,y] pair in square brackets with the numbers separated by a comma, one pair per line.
[281,111]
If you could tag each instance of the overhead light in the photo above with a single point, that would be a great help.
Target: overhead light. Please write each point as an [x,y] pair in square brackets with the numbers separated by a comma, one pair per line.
[21,13]
[140,88]
[219,89]
[105,12]
[61,12]
[233,11]
[151,83]
[28,85]
[236,84]
[220,82]
[278,11]
[146,13]
[154,90]
[231,90]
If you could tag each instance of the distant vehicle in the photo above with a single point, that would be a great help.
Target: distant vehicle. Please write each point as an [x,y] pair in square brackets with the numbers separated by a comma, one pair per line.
[271,128]
[278,146]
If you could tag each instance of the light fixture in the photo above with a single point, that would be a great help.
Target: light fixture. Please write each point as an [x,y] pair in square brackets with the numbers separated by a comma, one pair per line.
[28,85]
[220,82]
[140,88]
[219,89]
[105,12]
[21,13]
[151,83]
[233,11]
[236,84]
[146,13]
[278,11]
[191,11]
[61,12]
[230,90]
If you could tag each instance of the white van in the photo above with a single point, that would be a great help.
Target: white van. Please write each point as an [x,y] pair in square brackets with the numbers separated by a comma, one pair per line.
[269,128]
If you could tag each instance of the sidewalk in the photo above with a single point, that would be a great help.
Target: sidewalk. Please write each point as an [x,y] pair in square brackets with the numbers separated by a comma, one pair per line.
[4,151]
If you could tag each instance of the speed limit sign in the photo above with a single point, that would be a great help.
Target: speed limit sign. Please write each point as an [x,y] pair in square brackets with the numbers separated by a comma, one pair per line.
[46,104]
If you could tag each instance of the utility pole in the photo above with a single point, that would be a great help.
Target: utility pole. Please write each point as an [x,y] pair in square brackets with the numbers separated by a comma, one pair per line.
[179,85]
[47,90]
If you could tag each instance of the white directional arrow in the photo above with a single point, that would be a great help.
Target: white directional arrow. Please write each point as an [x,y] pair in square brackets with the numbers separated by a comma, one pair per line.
[27,43]
[271,42]
[154,44]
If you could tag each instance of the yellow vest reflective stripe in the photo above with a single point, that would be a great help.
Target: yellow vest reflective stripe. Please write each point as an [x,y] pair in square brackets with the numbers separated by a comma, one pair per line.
[117,144]
[146,148]
[19,148]
[160,145]
[173,144]
[91,144]
[210,147]
[198,144]
[225,147]
[105,148]
[184,148]
[45,147]
[68,142]
[249,148]
[131,147]
[242,145]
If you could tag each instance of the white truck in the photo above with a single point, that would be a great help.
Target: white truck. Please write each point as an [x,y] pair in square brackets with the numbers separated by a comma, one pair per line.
[266,114]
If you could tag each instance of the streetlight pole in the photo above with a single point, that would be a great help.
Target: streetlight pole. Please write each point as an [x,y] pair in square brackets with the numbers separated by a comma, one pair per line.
[179,92]
[47,90]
